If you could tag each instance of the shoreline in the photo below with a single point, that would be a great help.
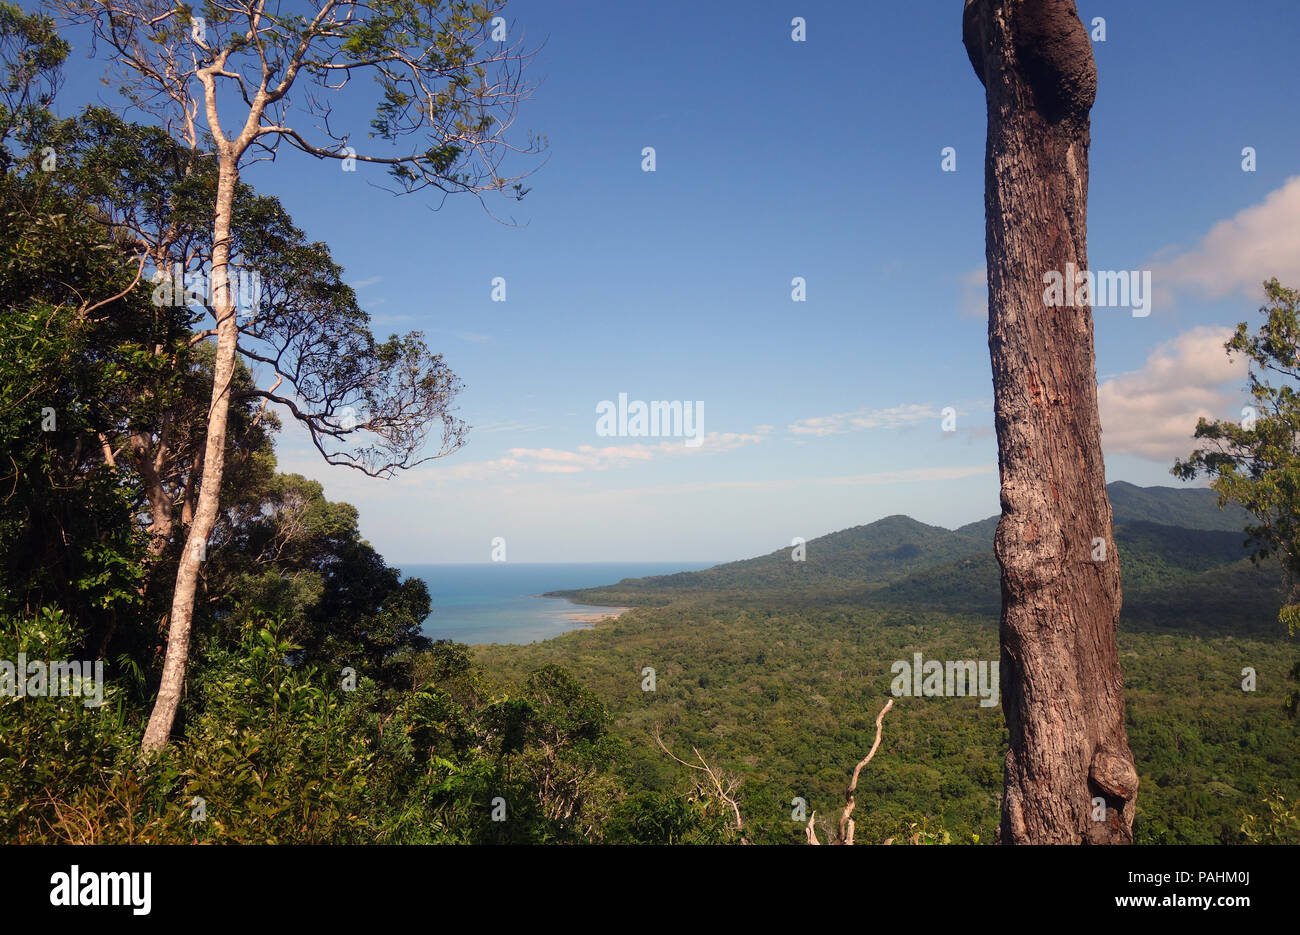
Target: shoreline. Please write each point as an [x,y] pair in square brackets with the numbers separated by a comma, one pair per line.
[587,617]
[593,617]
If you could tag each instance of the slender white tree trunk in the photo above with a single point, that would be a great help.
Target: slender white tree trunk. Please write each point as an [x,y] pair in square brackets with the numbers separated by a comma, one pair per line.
[205,515]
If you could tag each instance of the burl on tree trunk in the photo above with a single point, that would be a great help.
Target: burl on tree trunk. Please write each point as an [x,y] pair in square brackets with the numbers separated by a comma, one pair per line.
[1062,689]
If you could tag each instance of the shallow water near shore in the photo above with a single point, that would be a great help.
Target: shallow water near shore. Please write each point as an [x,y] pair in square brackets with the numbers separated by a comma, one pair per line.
[501,603]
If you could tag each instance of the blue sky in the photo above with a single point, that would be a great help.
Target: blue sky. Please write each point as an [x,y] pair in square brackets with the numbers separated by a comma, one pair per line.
[776,159]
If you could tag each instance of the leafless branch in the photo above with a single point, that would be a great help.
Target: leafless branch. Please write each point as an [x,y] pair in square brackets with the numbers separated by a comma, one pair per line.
[725,791]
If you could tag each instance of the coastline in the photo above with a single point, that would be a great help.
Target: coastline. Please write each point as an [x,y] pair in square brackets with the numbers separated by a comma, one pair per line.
[588,618]
[593,617]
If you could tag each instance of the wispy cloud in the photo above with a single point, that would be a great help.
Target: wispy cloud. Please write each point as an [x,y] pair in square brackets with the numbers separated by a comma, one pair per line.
[362,283]
[872,479]
[895,417]
[519,461]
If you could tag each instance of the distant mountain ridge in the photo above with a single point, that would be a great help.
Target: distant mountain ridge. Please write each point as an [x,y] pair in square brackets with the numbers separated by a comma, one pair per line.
[876,552]
[1182,558]
[1189,507]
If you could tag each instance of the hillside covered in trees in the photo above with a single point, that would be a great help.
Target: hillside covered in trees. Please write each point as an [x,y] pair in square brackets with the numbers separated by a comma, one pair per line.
[755,662]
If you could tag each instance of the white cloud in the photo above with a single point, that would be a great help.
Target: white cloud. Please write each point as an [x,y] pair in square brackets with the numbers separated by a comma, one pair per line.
[872,479]
[520,461]
[1152,412]
[895,417]
[1237,255]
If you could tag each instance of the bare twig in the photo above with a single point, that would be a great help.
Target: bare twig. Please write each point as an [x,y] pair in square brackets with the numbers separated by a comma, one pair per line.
[846,822]
[725,792]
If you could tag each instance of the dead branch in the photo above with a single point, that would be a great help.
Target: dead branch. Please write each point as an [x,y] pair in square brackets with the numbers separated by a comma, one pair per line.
[846,822]
[725,792]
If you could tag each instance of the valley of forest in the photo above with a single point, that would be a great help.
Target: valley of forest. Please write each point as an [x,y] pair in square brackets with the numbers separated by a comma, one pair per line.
[774,670]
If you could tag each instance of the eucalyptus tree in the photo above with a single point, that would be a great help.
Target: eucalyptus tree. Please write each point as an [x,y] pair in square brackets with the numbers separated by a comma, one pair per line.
[241,80]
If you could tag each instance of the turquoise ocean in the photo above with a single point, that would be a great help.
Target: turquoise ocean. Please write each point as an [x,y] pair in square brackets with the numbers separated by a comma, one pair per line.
[500,603]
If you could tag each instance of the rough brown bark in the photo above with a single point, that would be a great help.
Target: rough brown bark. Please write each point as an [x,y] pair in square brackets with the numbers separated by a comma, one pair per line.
[146,463]
[1062,689]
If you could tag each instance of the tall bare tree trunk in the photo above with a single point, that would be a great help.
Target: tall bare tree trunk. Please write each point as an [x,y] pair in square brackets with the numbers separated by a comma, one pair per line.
[1062,691]
[205,515]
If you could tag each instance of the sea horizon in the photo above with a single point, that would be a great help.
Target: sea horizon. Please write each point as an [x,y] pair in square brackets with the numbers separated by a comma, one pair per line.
[502,602]
[694,566]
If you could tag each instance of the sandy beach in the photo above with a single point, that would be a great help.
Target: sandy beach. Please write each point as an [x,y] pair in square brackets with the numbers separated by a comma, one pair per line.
[590,617]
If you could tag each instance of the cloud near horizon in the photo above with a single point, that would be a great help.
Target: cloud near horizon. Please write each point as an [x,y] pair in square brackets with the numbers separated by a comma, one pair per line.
[517,461]
[894,417]
[1152,412]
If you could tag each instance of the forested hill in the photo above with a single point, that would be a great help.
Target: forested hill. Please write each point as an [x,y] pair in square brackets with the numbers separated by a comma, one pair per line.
[878,552]
[1190,507]
[1184,566]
